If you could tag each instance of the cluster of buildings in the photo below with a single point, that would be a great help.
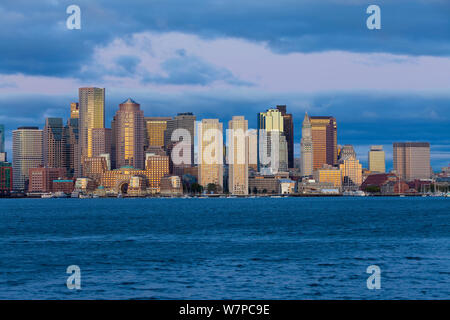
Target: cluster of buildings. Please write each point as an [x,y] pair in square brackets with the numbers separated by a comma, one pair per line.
[141,155]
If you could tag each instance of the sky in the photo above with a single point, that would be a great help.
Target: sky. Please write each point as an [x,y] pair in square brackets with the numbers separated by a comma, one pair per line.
[219,58]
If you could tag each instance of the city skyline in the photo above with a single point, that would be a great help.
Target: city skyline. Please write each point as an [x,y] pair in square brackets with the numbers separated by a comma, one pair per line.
[297,124]
[393,79]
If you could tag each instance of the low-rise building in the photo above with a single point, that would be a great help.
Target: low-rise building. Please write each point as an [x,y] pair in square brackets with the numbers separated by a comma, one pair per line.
[63,185]
[41,179]
[287,186]
[6,177]
[171,186]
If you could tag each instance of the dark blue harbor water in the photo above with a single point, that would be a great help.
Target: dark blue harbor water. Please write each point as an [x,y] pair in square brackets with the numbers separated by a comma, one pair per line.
[293,248]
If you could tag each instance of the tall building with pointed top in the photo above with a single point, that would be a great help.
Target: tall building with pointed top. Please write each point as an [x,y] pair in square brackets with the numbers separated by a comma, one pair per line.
[129,135]
[92,115]
[306,148]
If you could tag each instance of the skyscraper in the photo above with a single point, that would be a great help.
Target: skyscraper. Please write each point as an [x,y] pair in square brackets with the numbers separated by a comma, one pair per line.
[346,152]
[129,131]
[351,171]
[237,155]
[324,137]
[412,160]
[253,150]
[92,115]
[74,110]
[184,121]
[101,141]
[72,149]
[288,129]
[210,148]
[54,144]
[377,159]
[306,148]
[272,144]
[27,154]
[155,127]
[2,138]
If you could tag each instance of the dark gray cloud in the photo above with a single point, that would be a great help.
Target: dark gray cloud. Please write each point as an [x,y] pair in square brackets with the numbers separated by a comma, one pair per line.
[36,41]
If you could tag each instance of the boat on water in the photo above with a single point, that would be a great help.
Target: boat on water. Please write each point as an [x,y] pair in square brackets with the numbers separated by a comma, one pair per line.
[75,194]
[47,195]
[85,196]
[60,195]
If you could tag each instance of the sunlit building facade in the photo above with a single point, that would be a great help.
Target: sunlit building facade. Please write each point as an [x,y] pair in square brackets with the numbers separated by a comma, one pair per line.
[210,146]
[27,154]
[351,171]
[324,138]
[377,159]
[237,155]
[155,128]
[329,174]
[412,160]
[91,116]
[306,145]
[129,135]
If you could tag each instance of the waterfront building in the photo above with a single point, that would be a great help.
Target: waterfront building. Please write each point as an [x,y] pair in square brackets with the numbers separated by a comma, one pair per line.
[6,178]
[412,160]
[119,180]
[210,147]
[237,156]
[377,159]
[155,128]
[374,182]
[63,185]
[306,145]
[287,186]
[288,130]
[41,179]
[266,184]
[351,171]
[129,135]
[158,167]
[329,174]
[171,186]
[85,185]
[27,154]
[95,167]
[54,144]
[324,138]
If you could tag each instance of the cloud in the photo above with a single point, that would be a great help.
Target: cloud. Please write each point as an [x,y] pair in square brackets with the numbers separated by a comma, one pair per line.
[38,42]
